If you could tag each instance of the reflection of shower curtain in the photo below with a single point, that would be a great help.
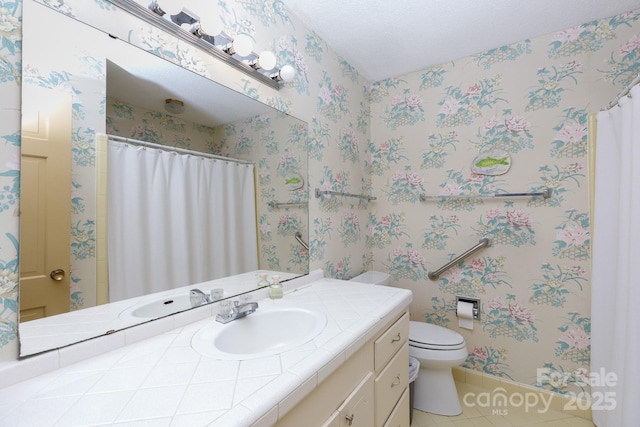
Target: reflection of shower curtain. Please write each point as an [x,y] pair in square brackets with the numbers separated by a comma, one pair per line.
[176,220]
[615,317]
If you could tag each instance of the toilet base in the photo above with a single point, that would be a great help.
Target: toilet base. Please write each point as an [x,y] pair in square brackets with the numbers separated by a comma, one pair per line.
[435,392]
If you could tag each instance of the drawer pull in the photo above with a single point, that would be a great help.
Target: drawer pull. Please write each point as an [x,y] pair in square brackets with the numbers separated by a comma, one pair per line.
[396,339]
[396,382]
[350,418]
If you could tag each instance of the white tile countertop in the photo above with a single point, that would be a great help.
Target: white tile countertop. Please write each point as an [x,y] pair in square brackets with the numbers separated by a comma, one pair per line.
[57,331]
[163,381]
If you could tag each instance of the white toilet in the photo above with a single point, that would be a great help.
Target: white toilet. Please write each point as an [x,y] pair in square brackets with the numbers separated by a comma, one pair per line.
[438,350]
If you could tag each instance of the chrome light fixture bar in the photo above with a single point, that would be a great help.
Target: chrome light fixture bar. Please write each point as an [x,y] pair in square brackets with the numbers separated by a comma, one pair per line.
[202,41]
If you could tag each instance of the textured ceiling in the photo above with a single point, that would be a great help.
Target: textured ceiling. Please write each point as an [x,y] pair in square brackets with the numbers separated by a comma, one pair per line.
[390,38]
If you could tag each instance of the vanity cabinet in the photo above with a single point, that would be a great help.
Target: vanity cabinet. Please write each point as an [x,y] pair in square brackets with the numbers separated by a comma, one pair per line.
[392,371]
[369,389]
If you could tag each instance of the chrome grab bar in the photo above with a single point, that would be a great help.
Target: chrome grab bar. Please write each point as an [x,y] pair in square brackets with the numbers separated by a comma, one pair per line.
[339,193]
[298,237]
[484,242]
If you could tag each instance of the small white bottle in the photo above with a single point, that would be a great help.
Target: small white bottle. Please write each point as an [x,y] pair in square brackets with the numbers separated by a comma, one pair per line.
[263,280]
[275,288]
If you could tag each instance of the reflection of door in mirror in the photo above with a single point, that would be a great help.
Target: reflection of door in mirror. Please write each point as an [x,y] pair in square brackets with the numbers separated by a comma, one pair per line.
[45,215]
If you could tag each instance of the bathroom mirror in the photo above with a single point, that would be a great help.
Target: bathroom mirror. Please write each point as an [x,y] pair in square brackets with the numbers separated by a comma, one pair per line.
[117,88]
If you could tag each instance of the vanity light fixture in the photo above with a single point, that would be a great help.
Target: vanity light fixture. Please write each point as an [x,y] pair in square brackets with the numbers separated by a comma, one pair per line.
[236,52]
[285,74]
[266,61]
[185,16]
[241,45]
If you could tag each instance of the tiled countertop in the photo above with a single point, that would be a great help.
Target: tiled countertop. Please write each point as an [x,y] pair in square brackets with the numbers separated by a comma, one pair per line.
[163,381]
[57,331]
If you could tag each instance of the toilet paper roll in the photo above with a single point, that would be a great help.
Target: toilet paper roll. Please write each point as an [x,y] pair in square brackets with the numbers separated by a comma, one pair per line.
[465,315]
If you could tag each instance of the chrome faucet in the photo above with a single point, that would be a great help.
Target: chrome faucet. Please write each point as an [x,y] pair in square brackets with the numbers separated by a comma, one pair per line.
[197,298]
[237,311]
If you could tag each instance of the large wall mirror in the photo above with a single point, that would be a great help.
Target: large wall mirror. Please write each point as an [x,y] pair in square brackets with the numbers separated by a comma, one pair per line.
[83,84]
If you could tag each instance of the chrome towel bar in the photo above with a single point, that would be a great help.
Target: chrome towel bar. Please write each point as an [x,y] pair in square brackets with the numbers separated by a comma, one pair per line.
[484,242]
[319,193]
[275,205]
[545,193]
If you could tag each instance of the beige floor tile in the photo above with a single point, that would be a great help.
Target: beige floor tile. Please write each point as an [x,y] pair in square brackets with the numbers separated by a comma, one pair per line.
[478,416]
[579,422]
[498,421]
[481,422]
[522,418]
[552,415]
[471,412]
[422,419]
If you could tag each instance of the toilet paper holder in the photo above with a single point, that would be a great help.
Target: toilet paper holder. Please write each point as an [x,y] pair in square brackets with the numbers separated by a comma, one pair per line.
[474,301]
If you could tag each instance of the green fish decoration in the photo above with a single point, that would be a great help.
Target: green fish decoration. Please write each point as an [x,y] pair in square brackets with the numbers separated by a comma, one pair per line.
[489,162]
[293,181]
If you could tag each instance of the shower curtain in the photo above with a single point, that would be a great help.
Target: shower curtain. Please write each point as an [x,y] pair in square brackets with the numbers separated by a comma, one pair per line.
[176,220]
[615,316]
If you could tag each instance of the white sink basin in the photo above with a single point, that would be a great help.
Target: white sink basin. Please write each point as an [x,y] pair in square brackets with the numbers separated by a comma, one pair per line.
[157,307]
[263,333]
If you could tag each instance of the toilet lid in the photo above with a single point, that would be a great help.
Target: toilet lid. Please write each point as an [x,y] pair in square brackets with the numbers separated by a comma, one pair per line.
[427,335]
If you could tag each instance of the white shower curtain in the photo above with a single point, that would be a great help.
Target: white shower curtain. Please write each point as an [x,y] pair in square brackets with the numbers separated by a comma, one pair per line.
[176,220]
[615,316]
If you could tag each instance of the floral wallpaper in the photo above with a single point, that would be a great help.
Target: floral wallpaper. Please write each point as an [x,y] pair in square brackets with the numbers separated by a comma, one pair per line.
[530,100]
[411,135]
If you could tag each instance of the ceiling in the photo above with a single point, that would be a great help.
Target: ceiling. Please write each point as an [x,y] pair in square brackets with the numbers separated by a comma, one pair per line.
[379,40]
[144,80]
[383,38]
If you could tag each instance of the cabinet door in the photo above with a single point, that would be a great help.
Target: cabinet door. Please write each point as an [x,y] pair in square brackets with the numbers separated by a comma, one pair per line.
[357,410]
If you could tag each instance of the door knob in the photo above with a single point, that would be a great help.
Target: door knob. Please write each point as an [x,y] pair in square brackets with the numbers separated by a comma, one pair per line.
[57,274]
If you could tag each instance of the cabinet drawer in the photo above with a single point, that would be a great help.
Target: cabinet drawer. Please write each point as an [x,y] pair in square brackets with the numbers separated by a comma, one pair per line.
[391,383]
[400,415]
[391,341]
[333,421]
[357,410]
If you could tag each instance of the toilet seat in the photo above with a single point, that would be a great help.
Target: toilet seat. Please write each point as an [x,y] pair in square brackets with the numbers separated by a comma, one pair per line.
[434,337]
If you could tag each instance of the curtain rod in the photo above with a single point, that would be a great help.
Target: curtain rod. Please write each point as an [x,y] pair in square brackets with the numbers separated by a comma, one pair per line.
[624,93]
[176,149]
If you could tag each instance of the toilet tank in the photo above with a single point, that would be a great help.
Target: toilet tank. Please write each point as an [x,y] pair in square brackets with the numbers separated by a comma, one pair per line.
[373,278]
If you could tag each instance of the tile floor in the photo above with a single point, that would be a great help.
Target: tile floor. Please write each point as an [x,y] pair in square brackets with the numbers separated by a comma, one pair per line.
[483,417]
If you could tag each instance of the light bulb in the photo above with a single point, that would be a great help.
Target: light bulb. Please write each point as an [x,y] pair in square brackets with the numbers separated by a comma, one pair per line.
[287,73]
[242,45]
[266,60]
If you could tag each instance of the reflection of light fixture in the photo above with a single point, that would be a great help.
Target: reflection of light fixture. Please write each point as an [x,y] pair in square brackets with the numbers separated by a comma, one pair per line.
[174,106]
[286,74]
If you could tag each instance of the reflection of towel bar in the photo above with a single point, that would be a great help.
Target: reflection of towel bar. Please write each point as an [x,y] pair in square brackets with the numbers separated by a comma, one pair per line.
[339,193]
[274,205]
[485,241]
[298,237]
[545,193]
